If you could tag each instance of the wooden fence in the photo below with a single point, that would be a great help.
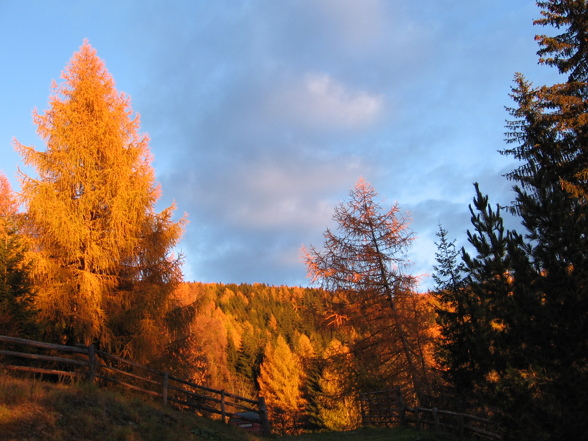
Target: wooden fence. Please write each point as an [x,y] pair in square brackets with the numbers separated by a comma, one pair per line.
[90,364]
[387,409]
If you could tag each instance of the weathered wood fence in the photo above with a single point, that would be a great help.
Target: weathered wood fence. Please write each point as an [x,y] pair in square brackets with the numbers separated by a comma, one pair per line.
[386,409]
[90,364]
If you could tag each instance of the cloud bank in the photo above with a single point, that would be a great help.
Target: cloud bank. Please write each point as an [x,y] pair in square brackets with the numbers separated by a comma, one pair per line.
[264,114]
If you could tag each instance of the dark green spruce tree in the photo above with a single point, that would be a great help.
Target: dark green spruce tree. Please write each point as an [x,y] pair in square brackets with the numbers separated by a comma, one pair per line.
[488,283]
[565,104]
[453,308]
[475,305]
[549,135]
[533,288]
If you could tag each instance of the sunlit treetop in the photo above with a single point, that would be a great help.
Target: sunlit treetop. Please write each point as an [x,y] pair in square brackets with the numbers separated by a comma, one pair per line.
[91,207]
[567,51]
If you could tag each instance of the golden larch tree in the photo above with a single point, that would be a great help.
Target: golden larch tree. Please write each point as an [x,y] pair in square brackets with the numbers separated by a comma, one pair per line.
[280,383]
[363,261]
[105,268]
[337,408]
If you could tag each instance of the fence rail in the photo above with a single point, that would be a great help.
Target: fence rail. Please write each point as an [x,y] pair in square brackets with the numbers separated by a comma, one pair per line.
[90,364]
[386,409]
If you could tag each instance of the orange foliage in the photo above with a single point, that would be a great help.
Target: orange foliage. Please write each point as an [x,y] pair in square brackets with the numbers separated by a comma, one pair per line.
[104,264]
[8,203]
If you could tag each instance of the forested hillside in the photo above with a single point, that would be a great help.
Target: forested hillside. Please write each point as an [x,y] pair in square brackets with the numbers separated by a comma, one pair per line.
[282,342]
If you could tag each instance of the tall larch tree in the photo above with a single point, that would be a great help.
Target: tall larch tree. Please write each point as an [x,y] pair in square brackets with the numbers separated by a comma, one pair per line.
[280,383]
[365,261]
[106,270]
[331,406]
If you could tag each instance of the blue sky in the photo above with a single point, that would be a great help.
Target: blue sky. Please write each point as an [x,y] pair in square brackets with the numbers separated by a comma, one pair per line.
[264,114]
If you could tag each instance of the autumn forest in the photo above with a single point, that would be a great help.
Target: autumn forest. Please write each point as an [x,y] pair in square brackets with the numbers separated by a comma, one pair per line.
[86,258]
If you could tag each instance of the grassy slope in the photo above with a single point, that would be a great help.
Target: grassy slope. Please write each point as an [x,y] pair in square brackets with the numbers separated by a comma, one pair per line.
[38,411]
[370,434]
[33,410]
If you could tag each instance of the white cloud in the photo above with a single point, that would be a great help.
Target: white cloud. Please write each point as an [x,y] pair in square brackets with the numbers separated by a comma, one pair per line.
[318,100]
[289,194]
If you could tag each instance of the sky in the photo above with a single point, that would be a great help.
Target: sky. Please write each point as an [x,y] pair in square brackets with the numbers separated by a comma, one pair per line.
[263,114]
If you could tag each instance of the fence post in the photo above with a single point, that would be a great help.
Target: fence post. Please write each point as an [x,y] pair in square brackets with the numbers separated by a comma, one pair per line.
[401,408]
[223,409]
[263,416]
[362,408]
[436,418]
[165,379]
[91,363]
[461,427]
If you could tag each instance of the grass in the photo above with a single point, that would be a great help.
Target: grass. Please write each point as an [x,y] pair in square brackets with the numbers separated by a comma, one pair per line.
[31,410]
[370,434]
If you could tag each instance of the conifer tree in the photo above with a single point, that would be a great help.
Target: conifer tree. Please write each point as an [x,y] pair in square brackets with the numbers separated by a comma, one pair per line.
[249,358]
[451,307]
[331,406]
[549,136]
[280,383]
[488,312]
[564,106]
[465,302]
[105,271]
[365,262]
[533,289]
[17,314]
[448,274]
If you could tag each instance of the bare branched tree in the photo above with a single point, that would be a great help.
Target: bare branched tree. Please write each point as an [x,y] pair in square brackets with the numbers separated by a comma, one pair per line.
[365,261]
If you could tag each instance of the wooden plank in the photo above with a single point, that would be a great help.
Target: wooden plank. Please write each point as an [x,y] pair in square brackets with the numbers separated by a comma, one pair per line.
[130,363]
[44,358]
[483,432]
[128,374]
[38,344]
[91,364]
[41,370]
[223,408]
[247,400]
[214,400]
[195,405]
[192,394]
[197,386]
[240,406]
[208,389]
[164,394]
[209,398]
[206,398]
[465,415]
[130,386]
[263,417]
